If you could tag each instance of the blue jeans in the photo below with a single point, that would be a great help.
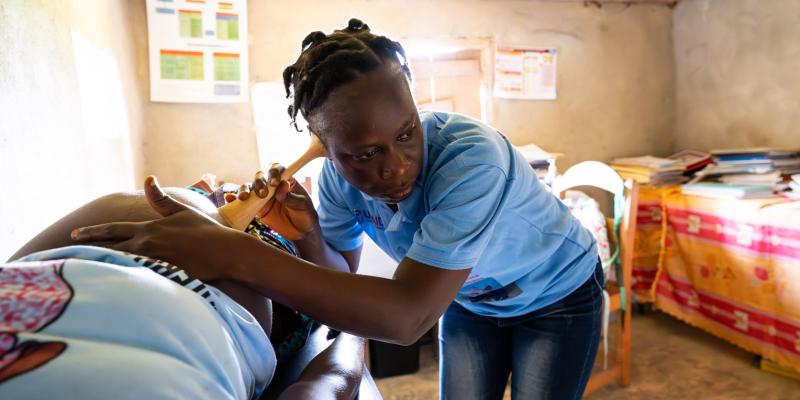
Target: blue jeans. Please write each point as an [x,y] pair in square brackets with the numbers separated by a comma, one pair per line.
[549,352]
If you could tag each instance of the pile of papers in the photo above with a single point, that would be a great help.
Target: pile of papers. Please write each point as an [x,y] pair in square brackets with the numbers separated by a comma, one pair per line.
[794,187]
[692,160]
[544,163]
[652,170]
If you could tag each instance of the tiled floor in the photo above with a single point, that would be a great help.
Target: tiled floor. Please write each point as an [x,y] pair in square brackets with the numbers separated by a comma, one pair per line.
[671,360]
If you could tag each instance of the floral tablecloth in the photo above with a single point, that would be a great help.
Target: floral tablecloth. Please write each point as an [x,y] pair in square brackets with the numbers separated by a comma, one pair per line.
[730,267]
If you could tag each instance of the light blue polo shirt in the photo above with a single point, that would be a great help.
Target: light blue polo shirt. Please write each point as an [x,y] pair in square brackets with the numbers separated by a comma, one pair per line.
[476,204]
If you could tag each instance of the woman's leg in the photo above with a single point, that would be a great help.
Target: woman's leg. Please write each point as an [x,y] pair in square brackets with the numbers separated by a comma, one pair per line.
[335,373]
[474,356]
[554,348]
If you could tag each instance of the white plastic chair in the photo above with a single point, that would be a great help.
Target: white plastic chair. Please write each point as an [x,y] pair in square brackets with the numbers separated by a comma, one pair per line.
[617,294]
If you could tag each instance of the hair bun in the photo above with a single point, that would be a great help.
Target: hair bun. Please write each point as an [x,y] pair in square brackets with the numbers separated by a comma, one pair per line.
[356,25]
[312,39]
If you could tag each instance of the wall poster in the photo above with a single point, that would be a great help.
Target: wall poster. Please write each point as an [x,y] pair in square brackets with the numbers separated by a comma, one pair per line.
[525,73]
[198,51]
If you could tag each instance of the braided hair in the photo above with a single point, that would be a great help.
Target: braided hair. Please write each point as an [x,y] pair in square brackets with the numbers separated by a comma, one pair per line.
[329,61]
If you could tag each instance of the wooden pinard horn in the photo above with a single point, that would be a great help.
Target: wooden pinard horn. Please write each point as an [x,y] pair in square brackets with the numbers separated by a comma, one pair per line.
[239,213]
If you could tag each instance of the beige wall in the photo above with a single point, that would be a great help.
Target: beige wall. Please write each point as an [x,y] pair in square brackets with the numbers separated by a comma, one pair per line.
[631,80]
[615,77]
[70,110]
[737,73]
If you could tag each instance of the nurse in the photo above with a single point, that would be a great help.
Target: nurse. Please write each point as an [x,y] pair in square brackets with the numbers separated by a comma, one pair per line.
[478,240]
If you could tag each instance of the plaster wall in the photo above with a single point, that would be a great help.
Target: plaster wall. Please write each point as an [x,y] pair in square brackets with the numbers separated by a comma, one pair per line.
[71,119]
[736,80]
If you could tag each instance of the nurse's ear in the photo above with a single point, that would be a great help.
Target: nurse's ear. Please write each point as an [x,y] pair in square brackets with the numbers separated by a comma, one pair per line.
[324,146]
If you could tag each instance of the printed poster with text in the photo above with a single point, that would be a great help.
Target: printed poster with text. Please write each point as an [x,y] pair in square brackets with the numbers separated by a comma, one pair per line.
[525,73]
[198,51]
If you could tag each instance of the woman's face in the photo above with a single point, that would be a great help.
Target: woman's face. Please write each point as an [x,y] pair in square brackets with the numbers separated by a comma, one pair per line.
[371,130]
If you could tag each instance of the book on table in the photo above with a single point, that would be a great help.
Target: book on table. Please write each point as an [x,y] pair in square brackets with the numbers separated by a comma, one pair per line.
[727,190]
[692,159]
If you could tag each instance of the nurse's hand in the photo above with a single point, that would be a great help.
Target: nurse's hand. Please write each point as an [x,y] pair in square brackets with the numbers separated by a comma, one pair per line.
[291,212]
[184,236]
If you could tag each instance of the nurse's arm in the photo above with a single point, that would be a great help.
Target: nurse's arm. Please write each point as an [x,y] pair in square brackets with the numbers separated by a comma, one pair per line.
[398,310]
[315,249]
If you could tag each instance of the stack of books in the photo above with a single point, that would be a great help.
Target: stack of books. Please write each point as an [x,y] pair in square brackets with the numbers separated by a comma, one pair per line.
[651,170]
[787,161]
[759,166]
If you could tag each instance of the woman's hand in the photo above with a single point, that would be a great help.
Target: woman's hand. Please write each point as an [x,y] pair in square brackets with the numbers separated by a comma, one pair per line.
[291,212]
[185,236]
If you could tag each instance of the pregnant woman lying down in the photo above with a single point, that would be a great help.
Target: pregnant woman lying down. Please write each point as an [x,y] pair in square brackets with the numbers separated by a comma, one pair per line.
[89,322]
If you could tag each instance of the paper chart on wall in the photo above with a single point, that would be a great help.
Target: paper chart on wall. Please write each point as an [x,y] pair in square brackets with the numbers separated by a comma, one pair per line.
[198,51]
[525,73]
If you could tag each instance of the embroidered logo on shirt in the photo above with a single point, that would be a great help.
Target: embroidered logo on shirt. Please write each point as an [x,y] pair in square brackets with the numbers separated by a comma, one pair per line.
[364,216]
